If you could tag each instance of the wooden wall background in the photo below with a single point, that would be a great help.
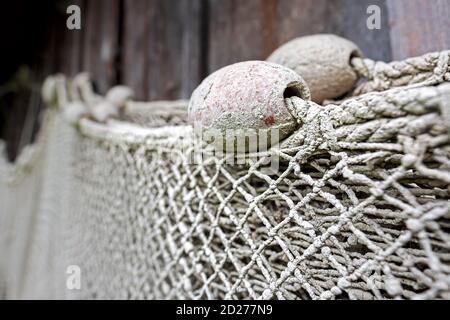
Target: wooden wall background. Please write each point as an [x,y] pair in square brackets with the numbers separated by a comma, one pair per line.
[163,48]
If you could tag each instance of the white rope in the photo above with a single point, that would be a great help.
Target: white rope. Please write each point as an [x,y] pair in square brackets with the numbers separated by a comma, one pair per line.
[358,209]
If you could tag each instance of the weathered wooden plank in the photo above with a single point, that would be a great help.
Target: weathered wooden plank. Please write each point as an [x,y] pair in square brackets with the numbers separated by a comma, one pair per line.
[100,44]
[171,24]
[191,68]
[254,28]
[134,46]
[418,26]
[241,30]
[68,47]
[162,47]
[348,18]
[296,18]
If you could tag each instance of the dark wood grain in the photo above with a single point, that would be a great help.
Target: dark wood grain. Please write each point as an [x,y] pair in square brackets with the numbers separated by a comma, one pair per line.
[239,30]
[100,43]
[251,30]
[348,19]
[67,49]
[162,47]
[296,18]
[134,46]
[254,28]
[418,26]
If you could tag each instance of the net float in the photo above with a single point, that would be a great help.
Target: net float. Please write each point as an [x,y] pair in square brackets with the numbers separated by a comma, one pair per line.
[324,61]
[244,104]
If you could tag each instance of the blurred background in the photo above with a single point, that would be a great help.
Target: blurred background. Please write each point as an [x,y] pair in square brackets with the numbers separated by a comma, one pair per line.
[162,49]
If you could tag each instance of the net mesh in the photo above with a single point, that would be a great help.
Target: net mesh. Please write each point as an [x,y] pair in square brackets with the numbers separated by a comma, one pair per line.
[359,208]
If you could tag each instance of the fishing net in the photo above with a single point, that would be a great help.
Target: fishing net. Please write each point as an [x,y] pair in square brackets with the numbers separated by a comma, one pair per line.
[358,207]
